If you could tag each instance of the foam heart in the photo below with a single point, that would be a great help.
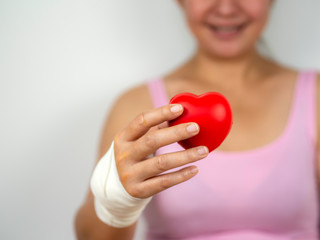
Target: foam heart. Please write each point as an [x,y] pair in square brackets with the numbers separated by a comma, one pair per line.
[211,111]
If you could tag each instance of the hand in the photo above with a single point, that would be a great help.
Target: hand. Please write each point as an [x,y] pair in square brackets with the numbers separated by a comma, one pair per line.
[141,176]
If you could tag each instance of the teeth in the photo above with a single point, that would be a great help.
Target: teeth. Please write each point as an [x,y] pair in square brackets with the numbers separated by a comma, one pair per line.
[226,29]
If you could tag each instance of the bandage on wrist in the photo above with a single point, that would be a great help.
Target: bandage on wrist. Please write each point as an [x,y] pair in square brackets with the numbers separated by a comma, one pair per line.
[113,204]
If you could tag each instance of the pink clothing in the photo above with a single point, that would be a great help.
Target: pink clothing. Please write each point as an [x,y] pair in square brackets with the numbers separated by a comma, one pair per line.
[266,193]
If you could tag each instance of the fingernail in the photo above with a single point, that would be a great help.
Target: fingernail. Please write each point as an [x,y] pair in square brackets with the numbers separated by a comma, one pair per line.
[193,128]
[194,170]
[176,108]
[202,150]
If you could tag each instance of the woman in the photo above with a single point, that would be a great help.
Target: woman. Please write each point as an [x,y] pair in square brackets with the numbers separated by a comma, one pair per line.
[260,183]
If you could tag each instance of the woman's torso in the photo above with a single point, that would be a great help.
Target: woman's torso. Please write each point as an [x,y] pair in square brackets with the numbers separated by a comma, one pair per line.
[203,206]
[259,111]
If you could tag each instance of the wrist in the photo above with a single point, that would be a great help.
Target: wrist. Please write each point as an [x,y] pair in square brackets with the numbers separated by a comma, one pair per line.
[113,204]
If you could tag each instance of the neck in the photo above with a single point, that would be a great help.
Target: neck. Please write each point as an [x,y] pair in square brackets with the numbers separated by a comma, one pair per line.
[236,71]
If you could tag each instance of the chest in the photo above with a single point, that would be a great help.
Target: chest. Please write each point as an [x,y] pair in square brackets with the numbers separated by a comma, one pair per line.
[254,190]
[260,114]
[271,187]
[258,121]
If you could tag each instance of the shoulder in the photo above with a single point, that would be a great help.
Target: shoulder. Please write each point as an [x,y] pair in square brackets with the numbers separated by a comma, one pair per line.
[133,101]
[124,109]
[129,104]
[318,84]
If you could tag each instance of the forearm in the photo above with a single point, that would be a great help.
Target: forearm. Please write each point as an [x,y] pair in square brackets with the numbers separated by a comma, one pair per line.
[89,227]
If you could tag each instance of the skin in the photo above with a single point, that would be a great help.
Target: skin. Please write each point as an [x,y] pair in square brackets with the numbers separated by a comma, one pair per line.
[233,68]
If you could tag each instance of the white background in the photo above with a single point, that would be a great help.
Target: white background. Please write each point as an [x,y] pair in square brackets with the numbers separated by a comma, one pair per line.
[63,63]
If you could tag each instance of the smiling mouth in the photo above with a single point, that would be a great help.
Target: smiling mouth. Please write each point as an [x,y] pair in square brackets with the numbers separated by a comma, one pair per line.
[227,30]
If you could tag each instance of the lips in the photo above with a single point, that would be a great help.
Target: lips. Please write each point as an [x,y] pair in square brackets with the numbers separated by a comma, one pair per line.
[227,25]
[226,28]
[226,31]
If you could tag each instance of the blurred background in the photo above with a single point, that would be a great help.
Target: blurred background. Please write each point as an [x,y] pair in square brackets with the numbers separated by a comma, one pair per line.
[64,62]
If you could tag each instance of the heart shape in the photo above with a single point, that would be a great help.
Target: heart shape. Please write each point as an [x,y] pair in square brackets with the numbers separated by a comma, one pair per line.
[211,111]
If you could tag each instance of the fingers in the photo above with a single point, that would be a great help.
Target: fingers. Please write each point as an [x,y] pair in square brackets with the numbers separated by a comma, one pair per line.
[153,140]
[143,136]
[144,121]
[159,183]
[161,163]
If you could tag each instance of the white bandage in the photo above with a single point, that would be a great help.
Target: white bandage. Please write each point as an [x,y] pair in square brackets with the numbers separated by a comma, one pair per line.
[113,204]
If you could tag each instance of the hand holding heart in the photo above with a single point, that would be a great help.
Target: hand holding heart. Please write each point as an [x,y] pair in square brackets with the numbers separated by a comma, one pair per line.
[211,111]
[143,176]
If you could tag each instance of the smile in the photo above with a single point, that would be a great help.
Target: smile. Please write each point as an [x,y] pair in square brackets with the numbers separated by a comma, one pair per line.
[226,32]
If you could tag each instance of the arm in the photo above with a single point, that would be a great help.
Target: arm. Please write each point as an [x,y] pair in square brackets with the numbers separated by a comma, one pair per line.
[141,176]
[87,224]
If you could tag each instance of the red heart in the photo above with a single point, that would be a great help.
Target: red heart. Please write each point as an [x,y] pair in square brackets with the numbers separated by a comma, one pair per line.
[211,111]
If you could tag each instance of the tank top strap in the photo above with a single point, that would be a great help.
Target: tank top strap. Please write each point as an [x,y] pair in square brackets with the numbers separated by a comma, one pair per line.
[305,103]
[157,92]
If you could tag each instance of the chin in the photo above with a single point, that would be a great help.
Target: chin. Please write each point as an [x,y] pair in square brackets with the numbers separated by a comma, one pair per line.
[227,51]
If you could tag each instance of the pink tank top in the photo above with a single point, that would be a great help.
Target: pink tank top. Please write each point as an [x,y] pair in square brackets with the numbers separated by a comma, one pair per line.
[266,193]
